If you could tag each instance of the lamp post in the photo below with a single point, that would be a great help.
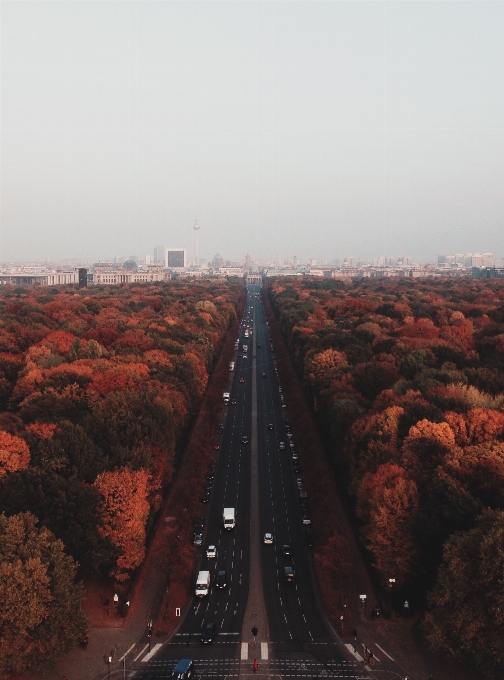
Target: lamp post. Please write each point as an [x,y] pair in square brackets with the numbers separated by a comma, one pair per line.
[362,598]
[391,582]
[149,631]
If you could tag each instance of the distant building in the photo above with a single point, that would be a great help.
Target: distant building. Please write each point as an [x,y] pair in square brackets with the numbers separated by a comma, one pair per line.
[29,276]
[159,255]
[83,277]
[110,274]
[175,258]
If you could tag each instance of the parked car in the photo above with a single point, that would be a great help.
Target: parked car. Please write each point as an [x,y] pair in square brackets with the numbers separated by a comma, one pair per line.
[220,428]
[198,539]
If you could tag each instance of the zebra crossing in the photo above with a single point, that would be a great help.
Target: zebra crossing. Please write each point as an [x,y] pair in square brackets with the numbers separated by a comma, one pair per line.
[280,668]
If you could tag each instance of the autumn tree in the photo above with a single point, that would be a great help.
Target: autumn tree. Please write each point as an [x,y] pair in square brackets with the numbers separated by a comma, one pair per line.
[426,446]
[467,603]
[124,511]
[14,453]
[387,502]
[41,617]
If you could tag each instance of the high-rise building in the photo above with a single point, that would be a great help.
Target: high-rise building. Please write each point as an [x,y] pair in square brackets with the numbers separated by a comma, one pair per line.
[159,255]
[175,258]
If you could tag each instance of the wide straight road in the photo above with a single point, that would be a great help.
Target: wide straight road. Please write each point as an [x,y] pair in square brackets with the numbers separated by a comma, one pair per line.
[297,641]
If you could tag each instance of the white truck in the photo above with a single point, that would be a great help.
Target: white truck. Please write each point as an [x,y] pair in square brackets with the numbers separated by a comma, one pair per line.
[231,366]
[202,583]
[225,397]
[246,334]
[229,518]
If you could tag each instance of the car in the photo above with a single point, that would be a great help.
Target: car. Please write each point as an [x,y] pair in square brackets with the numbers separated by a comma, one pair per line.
[280,390]
[220,428]
[221,579]
[244,439]
[211,551]
[258,345]
[289,433]
[210,474]
[268,538]
[284,405]
[291,444]
[281,445]
[310,537]
[295,466]
[299,482]
[294,456]
[184,670]
[198,539]
[271,426]
[208,633]
[245,356]
[233,402]
[200,522]
[242,380]
[264,375]
[216,447]
[305,515]
[286,550]
[303,493]
[206,497]
[289,575]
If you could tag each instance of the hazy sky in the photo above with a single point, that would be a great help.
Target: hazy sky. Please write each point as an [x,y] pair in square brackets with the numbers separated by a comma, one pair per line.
[321,129]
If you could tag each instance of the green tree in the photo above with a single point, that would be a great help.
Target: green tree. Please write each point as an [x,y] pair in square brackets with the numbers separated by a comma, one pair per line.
[466,619]
[41,617]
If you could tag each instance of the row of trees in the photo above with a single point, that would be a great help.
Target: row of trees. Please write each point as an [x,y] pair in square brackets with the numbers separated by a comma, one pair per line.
[407,382]
[98,389]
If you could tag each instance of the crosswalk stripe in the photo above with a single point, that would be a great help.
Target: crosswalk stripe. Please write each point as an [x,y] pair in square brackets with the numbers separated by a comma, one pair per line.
[264,650]
[152,652]
[244,651]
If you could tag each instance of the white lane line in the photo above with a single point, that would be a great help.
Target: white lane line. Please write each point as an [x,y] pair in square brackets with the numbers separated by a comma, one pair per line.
[152,652]
[244,651]
[382,650]
[264,651]
[143,650]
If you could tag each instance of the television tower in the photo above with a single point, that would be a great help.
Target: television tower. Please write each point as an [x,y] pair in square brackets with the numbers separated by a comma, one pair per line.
[196,230]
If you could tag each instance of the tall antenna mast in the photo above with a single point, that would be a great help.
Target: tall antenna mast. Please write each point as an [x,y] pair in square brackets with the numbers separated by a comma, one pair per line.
[196,230]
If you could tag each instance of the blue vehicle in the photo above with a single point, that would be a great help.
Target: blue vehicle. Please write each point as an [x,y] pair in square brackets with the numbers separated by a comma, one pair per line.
[184,670]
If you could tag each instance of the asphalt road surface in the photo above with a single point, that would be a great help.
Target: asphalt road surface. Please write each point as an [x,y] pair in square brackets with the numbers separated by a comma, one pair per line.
[299,642]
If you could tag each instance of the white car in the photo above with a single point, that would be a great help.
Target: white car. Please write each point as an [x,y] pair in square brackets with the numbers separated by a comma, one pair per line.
[211,551]
[268,539]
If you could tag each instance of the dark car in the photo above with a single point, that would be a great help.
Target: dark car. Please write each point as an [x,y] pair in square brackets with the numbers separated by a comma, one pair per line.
[210,474]
[198,539]
[245,439]
[221,579]
[264,375]
[305,515]
[208,487]
[220,428]
[206,497]
[310,535]
[289,575]
[209,633]
[233,402]
[271,426]
[242,380]
[286,550]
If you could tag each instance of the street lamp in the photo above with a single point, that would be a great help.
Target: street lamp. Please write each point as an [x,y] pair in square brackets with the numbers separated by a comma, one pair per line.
[363,600]
[391,582]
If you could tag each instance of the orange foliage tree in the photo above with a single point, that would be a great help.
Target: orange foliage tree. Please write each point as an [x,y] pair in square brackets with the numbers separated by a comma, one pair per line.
[387,502]
[14,453]
[124,512]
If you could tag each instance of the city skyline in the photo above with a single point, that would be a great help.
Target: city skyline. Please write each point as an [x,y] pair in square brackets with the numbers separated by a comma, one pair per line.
[308,127]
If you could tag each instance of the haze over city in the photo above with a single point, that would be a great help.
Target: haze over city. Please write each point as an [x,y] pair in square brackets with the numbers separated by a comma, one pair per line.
[322,129]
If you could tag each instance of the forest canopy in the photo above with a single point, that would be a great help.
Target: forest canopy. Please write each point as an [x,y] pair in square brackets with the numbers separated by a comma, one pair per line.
[406,379]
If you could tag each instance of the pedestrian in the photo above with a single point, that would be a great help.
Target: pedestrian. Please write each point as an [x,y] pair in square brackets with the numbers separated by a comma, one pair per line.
[255,665]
